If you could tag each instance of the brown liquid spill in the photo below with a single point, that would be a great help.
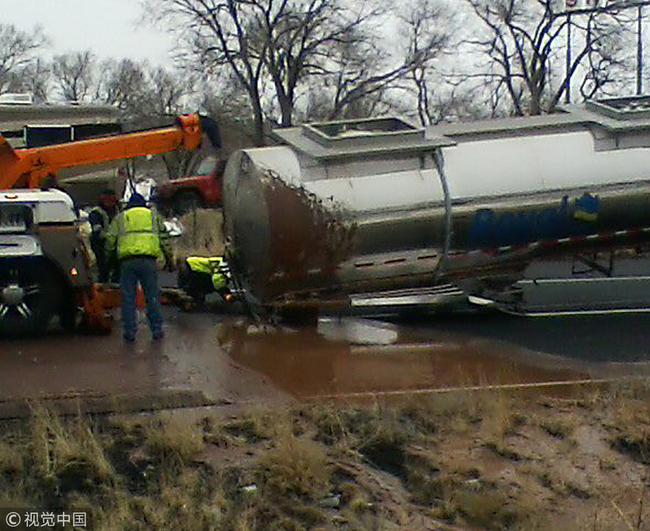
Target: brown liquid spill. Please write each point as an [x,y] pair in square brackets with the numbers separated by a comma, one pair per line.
[230,358]
[357,356]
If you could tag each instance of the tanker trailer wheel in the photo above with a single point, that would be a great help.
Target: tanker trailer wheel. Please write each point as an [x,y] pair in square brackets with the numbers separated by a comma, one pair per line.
[30,293]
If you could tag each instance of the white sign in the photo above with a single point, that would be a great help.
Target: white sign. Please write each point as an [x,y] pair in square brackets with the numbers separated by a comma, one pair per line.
[584,5]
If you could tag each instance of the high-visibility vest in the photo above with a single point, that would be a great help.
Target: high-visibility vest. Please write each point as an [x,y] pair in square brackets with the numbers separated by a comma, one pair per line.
[215,266]
[138,233]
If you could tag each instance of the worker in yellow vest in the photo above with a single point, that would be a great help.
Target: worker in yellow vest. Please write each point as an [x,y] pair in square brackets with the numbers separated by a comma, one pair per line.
[100,219]
[138,237]
[201,275]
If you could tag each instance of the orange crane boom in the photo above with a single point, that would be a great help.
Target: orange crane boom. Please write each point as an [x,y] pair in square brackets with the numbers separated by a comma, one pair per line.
[29,167]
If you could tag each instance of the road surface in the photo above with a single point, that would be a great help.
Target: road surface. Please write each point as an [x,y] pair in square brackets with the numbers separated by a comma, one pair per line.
[207,360]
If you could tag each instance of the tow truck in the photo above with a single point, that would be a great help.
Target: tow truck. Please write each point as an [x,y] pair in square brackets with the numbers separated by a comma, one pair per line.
[44,266]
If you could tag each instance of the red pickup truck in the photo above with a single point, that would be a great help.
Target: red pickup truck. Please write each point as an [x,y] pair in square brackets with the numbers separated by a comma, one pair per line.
[202,190]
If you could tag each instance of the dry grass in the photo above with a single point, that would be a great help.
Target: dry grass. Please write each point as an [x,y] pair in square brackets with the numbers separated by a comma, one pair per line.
[11,460]
[499,417]
[173,441]
[67,458]
[625,411]
[296,466]
[474,460]
[255,425]
[355,498]
[486,510]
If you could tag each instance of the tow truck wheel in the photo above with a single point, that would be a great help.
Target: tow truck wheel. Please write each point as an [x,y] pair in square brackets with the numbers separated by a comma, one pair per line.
[29,293]
[69,316]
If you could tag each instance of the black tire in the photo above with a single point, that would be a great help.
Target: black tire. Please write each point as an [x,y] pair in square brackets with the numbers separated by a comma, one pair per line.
[42,290]
[185,201]
[69,316]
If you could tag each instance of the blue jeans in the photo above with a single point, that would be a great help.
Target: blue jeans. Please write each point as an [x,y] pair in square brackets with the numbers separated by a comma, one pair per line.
[143,270]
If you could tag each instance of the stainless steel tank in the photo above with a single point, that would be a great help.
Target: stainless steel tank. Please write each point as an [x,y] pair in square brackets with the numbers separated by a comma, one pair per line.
[372,205]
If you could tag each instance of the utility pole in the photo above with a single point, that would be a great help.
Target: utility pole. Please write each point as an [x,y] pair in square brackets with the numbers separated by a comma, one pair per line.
[584,7]
[639,51]
[567,81]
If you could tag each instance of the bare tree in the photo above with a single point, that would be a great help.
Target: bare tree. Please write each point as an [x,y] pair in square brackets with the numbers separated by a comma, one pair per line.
[360,74]
[258,42]
[302,39]
[34,78]
[143,92]
[365,68]
[435,96]
[121,83]
[521,40]
[229,107]
[608,69]
[18,53]
[218,36]
[165,92]
[278,50]
[162,98]
[74,75]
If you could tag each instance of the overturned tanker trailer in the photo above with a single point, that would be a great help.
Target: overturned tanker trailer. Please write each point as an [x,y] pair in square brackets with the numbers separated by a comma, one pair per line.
[352,209]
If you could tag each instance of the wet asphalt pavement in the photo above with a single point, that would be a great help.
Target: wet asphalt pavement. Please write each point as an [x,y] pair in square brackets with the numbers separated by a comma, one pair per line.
[208,359]
[621,338]
[187,368]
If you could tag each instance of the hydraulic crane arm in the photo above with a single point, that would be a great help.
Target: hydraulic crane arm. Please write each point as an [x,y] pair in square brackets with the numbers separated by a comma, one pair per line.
[29,167]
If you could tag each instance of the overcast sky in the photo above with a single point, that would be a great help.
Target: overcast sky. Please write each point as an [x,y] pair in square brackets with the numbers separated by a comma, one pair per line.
[107,27]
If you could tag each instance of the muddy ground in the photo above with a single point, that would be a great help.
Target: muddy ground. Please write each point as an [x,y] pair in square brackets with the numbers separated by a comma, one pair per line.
[460,460]
[210,359]
[352,425]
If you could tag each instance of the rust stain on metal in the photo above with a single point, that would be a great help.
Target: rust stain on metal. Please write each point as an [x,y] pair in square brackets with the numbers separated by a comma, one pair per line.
[308,238]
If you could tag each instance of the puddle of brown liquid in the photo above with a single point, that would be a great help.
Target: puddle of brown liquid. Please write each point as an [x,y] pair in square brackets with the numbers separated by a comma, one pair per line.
[350,356]
[232,359]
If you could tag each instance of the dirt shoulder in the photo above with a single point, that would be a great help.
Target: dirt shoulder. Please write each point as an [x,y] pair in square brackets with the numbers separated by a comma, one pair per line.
[471,460]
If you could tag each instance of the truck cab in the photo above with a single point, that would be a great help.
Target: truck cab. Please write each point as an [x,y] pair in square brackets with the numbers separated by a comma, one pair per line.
[200,190]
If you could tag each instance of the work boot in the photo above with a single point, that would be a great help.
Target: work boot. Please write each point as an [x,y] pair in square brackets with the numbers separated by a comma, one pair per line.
[157,336]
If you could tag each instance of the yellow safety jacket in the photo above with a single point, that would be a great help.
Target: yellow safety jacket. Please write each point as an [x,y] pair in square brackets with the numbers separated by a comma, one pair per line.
[215,266]
[137,231]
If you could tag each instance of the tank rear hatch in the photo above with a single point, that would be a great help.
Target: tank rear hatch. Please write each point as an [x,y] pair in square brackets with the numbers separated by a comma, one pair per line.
[300,218]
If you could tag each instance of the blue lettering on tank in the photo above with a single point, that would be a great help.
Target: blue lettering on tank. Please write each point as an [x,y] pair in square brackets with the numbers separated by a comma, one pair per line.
[482,226]
[490,228]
